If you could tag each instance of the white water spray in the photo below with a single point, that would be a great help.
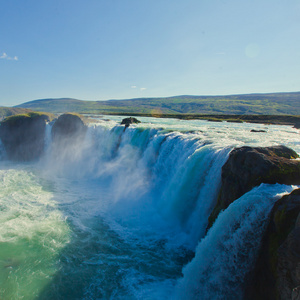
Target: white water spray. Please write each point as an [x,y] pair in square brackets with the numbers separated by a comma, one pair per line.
[131,206]
[229,249]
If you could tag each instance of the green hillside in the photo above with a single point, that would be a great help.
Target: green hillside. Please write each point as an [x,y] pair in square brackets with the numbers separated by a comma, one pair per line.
[10,111]
[250,104]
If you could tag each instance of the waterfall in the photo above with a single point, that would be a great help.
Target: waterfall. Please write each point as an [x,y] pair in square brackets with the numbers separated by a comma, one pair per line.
[130,210]
[178,171]
[229,249]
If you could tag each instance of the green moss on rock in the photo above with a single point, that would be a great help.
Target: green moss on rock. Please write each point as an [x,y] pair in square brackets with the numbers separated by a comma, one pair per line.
[19,118]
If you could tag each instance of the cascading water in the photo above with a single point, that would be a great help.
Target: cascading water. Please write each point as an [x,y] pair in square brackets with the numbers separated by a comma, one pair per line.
[226,254]
[119,214]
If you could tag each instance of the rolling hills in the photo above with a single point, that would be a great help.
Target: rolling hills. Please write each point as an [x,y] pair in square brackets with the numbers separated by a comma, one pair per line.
[248,104]
[10,111]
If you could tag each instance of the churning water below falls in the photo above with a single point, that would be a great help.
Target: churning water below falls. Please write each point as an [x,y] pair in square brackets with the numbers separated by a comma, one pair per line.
[123,215]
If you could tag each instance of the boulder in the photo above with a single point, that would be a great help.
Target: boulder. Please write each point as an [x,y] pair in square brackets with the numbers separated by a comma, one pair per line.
[67,128]
[129,121]
[277,270]
[248,167]
[23,136]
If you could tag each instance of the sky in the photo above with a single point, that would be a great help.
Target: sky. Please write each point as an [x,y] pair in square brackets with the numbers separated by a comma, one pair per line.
[121,49]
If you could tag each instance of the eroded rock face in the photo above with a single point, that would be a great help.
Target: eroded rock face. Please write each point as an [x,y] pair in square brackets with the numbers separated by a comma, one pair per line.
[67,128]
[277,271]
[248,167]
[23,136]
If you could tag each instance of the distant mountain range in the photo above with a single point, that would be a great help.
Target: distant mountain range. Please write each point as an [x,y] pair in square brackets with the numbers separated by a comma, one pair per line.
[248,104]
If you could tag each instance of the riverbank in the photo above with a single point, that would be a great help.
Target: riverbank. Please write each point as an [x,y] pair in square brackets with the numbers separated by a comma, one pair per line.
[261,119]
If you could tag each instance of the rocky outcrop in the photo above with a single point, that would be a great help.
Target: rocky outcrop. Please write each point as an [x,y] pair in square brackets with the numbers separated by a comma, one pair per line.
[129,121]
[277,271]
[67,147]
[23,136]
[257,130]
[68,128]
[248,167]
[276,275]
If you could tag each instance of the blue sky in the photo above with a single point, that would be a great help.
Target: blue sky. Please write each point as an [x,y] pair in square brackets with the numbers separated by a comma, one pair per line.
[119,49]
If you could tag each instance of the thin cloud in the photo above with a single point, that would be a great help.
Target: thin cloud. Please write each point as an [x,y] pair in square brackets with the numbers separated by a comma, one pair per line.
[5,56]
[135,87]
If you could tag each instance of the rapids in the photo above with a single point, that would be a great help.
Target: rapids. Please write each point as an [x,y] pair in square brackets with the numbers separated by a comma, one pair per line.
[123,214]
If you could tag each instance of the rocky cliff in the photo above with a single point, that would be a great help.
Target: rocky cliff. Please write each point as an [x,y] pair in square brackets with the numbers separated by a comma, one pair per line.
[23,136]
[248,167]
[276,274]
[277,270]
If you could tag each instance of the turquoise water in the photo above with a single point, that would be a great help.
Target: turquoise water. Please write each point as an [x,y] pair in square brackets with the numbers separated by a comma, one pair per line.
[57,242]
[33,232]
[121,214]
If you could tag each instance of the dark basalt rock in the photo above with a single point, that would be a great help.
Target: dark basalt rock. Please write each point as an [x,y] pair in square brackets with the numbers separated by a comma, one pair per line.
[129,121]
[255,130]
[23,136]
[277,270]
[248,167]
[68,127]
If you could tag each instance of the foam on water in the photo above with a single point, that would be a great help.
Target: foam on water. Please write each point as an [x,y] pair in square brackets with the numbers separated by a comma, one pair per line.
[33,231]
[117,215]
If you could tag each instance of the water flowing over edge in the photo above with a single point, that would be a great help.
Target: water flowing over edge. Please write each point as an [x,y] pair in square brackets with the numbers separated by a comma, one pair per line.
[171,179]
[229,249]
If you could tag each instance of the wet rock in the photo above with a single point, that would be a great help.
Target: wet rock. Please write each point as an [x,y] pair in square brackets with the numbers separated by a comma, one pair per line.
[68,127]
[255,130]
[23,136]
[277,270]
[248,167]
[129,121]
